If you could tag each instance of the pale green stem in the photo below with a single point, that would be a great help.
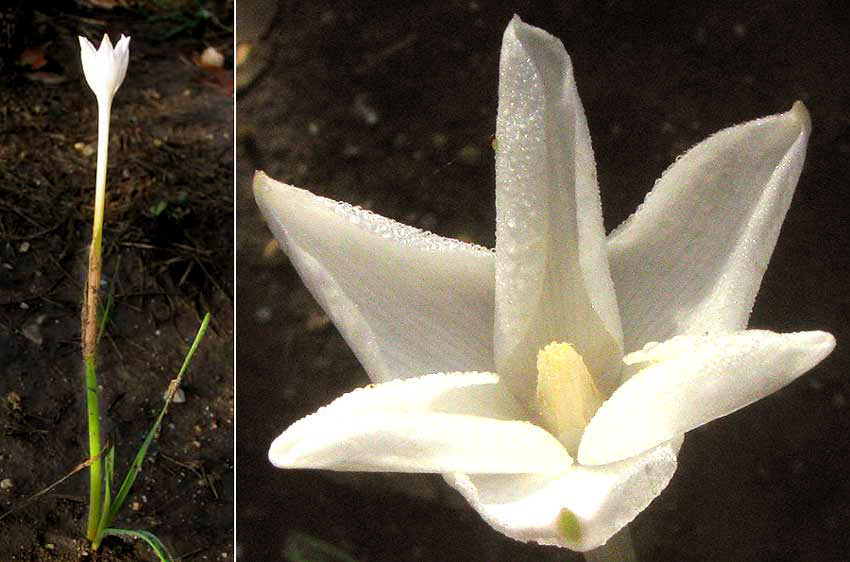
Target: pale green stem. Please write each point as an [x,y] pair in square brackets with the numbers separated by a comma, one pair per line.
[96,467]
[90,324]
[617,549]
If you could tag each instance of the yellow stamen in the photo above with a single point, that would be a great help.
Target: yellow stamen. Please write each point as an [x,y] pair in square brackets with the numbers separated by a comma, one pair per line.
[566,395]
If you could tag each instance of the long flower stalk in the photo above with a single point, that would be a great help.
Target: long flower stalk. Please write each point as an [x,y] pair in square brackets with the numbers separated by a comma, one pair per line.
[104,69]
[90,326]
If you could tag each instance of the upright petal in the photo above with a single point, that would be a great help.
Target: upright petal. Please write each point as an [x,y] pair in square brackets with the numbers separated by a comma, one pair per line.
[552,278]
[580,508]
[436,423]
[91,69]
[692,380]
[122,58]
[104,55]
[406,301]
[692,257]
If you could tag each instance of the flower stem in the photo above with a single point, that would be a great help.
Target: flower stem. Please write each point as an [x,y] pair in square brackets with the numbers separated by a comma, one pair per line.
[96,467]
[618,549]
[90,325]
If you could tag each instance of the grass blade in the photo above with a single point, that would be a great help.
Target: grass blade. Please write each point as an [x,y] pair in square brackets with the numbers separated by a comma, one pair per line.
[152,540]
[136,465]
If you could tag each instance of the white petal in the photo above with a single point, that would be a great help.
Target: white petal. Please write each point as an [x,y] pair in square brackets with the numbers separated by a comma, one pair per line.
[602,499]
[691,380]
[88,56]
[692,257]
[121,57]
[552,278]
[104,61]
[406,301]
[434,423]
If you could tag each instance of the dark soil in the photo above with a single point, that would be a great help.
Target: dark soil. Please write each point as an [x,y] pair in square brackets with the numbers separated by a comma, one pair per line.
[768,483]
[169,223]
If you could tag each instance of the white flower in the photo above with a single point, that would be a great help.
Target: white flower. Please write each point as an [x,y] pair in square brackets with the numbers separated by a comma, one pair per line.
[490,367]
[105,67]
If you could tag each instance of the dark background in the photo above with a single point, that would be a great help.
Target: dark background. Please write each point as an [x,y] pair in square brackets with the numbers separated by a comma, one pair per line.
[393,108]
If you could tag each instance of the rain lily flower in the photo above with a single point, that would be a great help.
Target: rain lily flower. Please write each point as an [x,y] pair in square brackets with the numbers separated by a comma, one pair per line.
[105,69]
[530,377]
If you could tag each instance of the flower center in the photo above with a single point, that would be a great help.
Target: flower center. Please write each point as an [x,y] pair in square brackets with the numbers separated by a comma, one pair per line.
[566,395]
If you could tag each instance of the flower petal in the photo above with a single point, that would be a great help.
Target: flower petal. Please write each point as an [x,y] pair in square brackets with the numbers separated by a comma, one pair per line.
[692,380]
[436,423]
[91,70]
[593,503]
[406,301]
[552,278]
[121,59]
[692,257]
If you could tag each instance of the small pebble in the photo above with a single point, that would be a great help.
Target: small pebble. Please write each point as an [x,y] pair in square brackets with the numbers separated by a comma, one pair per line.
[84,148]
[24,247]
[6,484]
[211,57]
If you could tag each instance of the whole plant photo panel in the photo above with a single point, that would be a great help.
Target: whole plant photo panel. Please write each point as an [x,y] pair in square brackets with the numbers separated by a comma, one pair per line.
[515,385]
[116,280]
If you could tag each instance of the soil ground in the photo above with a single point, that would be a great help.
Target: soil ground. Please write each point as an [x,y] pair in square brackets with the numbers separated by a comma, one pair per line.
[169,221]
[393,108]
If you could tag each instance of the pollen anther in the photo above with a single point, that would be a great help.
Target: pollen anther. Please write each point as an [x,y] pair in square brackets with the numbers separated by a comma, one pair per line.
[566,396]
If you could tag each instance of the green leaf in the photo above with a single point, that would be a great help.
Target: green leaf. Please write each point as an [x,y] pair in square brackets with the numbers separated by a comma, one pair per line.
[152,540]
[108,474]
[304,548]
[136,465]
